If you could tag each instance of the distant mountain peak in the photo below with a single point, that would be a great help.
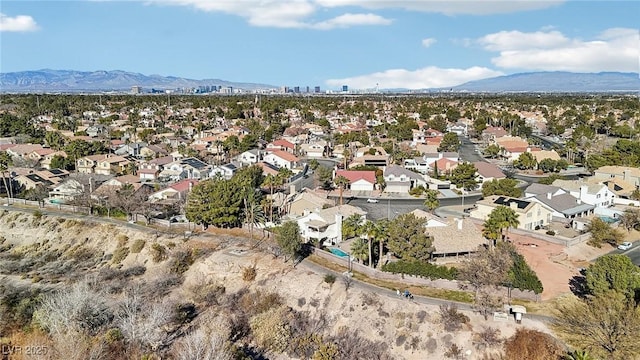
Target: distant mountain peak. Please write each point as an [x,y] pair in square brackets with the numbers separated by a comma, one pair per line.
[104,80]
[556,81]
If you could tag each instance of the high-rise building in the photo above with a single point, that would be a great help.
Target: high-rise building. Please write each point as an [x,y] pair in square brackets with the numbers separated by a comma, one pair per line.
[136,89]
[345,88]
[296,89]
[316,89]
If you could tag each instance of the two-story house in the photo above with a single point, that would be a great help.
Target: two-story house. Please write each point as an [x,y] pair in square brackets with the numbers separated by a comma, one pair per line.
[251,157]
[104,164]
[627,174]
[598,195]
[325,226]
[401,180]
[187,168]
[150,170]
[488,172]
[282,159]
[531,214]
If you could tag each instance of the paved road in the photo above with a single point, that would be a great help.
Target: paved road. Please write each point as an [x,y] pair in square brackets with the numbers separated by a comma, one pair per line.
[468,151]
[387,294]
[633,253]
[390,208]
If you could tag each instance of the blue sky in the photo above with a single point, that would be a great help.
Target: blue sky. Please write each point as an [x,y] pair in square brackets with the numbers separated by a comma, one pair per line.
[360,43]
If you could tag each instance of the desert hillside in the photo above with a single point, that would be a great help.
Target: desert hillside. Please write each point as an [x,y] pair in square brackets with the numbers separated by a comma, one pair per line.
[83,289]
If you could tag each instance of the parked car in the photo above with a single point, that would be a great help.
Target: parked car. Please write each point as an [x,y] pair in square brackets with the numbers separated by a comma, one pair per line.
[373,201]
[625,246]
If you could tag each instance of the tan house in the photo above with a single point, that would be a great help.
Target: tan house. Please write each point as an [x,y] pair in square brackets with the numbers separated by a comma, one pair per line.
[530,213]
[45,162]
[628,174]
[103,164]
[306,202]
[451,237]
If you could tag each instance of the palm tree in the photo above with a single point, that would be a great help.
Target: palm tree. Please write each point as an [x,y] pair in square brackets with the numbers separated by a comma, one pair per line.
[370,231]
[359,249]
[380,233]
[270,181]
[431,202]
[5,162]
[505,218]
[254,215]
[341,182]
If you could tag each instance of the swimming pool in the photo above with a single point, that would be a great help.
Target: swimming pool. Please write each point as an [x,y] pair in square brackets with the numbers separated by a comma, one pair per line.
[336,251]
[608,219]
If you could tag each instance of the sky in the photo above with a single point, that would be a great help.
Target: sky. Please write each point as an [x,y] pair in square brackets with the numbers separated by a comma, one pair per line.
[365,44]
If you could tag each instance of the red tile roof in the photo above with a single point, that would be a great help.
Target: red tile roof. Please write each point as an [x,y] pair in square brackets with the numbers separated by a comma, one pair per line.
[444,164]
[285,155]
[282,143]
[183,185]
[355,175]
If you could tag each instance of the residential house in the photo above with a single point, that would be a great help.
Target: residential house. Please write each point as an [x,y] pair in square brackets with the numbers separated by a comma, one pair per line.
[491,134]
[400,180]
[359,180]
[187,168]
[430,158]
[541,189]
[443,166]
[564,206]
[174,192]
[459,129]
[306,202]
[250,157]
[45,162]
[268,169]
[325,226]
[374,156]
[314,150]
[282,159]
[531,214]
[225,171]
[66,191]
[545,154]
[104,164]
[282,145]
[97,131]
[31,181]
[152,152]
[418,164]
[150,170]
[39,154]
[488,171]
[451,237]
[628,174]
[621,188]
[598,195]
[22,150]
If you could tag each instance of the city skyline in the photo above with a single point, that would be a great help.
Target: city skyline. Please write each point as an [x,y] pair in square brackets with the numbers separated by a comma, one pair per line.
[331,43]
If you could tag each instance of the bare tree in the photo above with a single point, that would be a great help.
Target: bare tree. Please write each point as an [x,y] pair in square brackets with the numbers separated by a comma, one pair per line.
[202,344]
[140,321]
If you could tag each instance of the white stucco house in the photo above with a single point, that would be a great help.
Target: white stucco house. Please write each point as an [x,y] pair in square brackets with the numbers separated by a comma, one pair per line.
[326,225]
[598,195]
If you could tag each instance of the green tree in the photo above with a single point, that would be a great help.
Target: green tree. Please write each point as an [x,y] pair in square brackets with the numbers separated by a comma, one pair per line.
[55,140]
[493,151]
[602,232]
[289,240]
[503,218]
[431,201]
[504,187]
[613,272]
[450,142]
[408,239]
[253,212]
[324,176]
[548,165]
[522,277]
[359,250]
[525,161]
[271,182]
[61,162]
[630,219]
[607,325]
[464,176]
[217,202]
[5,162]
[313,164]
[351,227]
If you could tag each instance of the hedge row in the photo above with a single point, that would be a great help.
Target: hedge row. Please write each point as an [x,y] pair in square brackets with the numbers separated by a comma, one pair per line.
[421,269]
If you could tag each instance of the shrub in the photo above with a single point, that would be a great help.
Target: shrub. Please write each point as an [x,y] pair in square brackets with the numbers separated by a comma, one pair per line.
[122,240]
[451,318]
[119,254]
[113,335]
[533,345]
[37,214]
[330,279]
[522,276]
[422,269]
[249,273]
[181,261]
[137,246]
[158,253]
[454,352]
[551,232]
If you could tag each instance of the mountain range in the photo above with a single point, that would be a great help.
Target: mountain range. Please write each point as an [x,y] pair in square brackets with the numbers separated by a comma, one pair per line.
[92,81]
[47,80]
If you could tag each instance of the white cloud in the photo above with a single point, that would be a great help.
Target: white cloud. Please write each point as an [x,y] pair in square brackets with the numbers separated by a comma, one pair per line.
[448,7]
[615,49]
[298,13]
[20,23]
[348,20]
[428,77]
[428,42]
